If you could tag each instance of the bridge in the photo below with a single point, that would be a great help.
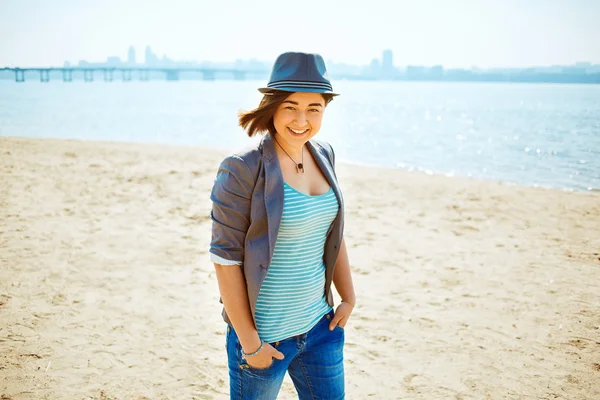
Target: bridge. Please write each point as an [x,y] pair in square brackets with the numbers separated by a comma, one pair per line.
[126,73]
[173,74]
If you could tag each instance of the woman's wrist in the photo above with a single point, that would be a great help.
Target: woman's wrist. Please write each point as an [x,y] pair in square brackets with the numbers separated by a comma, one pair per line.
[352,302]
[250,343]
[255,352]
[249,340]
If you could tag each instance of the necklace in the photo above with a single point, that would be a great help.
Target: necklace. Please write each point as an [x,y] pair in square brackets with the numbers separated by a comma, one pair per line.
[299,166]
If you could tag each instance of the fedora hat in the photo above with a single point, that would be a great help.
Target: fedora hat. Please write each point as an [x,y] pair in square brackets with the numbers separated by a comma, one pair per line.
[299,72]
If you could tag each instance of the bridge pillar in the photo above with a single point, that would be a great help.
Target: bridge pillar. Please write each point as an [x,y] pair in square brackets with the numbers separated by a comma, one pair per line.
[88,75]
[239,75]
[126,75]
[44,75]
[144,75]
[172,75]
[208,75]
[67,75]
[19,75]
[108,75]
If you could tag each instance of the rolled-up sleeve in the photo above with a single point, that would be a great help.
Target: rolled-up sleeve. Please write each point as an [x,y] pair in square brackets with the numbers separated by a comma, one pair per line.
[231,198]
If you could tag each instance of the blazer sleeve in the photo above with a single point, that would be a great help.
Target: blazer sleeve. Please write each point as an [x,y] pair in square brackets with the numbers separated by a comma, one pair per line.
[231,201]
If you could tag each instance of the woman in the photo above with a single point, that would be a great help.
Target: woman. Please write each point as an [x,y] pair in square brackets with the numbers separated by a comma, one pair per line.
[277,243]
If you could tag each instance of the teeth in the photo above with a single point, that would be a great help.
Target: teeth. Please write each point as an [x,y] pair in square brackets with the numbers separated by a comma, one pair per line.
[297,131]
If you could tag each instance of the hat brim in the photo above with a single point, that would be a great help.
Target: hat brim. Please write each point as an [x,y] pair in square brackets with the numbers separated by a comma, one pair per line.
[267,90]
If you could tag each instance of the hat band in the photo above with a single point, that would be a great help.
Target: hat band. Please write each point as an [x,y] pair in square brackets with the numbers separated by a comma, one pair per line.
[300,84]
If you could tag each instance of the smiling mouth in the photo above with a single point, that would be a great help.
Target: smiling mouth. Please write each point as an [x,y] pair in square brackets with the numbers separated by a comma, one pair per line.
[298,131]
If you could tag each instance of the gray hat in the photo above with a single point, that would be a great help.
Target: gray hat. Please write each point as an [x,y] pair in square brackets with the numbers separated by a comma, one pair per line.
[299,72]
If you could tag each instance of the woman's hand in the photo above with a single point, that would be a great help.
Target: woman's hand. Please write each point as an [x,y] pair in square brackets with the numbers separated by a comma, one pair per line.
[341,316]
[264,358]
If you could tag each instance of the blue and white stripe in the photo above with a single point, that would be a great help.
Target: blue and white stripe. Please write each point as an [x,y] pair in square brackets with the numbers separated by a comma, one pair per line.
[292,296]
[300,84]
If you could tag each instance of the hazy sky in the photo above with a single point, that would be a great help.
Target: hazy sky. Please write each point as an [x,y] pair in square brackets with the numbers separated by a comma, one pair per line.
[455,33]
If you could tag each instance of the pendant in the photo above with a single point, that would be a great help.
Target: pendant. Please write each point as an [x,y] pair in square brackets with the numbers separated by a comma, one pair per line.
[300,168]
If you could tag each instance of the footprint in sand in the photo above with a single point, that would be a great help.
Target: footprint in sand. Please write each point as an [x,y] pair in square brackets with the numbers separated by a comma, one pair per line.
[580,344]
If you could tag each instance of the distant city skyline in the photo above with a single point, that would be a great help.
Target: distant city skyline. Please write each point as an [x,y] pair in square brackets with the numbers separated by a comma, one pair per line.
[457,34]
[382,67]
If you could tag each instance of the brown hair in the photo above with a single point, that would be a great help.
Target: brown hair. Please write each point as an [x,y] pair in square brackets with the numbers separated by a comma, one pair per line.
[260,120]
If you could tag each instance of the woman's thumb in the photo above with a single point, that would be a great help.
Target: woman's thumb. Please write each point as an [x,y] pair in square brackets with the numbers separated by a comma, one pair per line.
[279,355]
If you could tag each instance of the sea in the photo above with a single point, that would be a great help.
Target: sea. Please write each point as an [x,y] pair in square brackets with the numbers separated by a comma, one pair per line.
[535,134]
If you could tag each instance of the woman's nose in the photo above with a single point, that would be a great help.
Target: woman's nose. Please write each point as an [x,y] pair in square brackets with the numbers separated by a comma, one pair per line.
[301,120]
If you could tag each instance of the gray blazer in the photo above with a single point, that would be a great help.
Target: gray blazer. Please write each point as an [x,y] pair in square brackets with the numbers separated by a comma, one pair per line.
[247,207]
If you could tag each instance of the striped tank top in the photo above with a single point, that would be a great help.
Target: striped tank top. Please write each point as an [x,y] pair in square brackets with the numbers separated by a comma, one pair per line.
[292,296]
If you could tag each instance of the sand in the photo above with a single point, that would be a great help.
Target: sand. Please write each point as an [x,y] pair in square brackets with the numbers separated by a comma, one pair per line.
[466,289]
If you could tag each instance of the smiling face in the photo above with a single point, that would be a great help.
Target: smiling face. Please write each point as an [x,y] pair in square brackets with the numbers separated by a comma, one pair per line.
[298,118]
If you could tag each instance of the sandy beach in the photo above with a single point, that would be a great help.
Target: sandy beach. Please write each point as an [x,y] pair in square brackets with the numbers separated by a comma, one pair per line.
[466,289]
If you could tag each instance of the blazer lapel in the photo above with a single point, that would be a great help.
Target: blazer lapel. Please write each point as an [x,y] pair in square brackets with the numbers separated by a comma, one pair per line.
[327,169]
[273,193]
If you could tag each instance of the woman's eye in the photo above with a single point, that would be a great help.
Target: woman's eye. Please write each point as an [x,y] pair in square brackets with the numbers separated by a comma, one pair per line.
[290,108]
[313,110]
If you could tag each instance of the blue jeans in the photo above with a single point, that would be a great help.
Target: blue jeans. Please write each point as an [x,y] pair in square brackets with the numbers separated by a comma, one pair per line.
[314,361]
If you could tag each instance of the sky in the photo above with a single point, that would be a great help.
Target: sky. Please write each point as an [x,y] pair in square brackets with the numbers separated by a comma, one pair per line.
[454,33]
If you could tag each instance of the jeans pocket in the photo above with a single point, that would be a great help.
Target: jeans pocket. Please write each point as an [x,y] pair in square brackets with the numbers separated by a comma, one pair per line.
[244,365]
[339,334]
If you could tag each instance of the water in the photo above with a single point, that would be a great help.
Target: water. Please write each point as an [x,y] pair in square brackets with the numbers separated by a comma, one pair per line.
[530,134]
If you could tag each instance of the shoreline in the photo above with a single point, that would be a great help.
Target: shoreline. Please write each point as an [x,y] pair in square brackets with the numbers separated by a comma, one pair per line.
[466,289]
[341,161]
